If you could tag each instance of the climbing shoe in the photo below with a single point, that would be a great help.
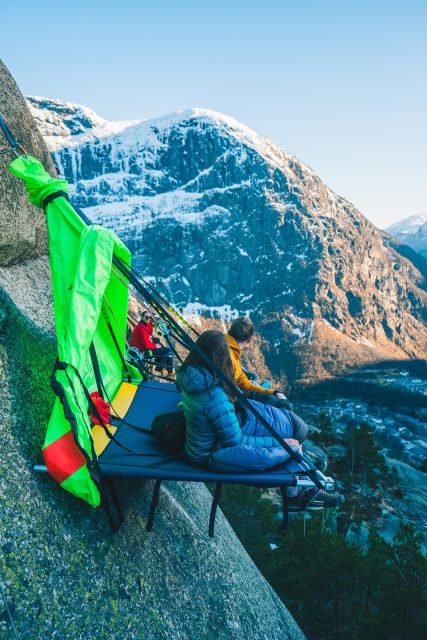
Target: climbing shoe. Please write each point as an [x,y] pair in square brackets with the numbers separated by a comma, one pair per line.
[323,500]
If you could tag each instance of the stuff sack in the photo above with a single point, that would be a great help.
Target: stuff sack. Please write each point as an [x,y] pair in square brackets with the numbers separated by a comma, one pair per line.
[102,407]
[169,428]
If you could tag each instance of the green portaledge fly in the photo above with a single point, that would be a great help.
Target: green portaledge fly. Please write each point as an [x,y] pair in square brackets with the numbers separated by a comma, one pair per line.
[80,258]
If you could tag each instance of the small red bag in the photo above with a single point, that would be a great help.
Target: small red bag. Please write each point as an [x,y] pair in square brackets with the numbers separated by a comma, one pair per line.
[102,407]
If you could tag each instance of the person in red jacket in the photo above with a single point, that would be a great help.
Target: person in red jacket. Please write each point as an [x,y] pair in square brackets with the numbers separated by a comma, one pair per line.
[142,339]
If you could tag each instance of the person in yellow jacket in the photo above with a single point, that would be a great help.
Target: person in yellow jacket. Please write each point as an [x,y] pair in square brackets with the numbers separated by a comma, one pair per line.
[239,338]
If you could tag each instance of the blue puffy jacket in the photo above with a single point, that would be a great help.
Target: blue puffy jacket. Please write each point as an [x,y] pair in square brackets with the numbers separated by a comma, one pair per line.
[214,436]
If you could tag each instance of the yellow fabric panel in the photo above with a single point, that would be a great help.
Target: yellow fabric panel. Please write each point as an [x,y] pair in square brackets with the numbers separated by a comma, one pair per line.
[100,438]
[119,408]
[123,400]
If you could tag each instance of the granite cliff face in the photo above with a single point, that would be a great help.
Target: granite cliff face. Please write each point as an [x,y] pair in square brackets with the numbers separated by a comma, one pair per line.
[226,223]
[64,575]
[22,229]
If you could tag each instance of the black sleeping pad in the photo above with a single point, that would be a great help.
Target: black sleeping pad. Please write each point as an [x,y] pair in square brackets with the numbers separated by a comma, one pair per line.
[151,399]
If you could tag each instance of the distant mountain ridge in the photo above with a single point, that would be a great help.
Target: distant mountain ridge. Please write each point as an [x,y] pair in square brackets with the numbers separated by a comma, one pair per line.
[412,231]
[226,223]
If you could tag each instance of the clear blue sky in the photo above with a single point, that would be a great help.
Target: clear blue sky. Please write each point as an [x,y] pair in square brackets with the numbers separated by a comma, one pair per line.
[341,84]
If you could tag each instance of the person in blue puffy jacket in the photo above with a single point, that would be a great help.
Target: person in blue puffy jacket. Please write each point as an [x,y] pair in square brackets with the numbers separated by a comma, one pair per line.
[216,435]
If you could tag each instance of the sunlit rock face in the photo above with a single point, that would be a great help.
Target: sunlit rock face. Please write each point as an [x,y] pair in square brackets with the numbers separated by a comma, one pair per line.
[227,223]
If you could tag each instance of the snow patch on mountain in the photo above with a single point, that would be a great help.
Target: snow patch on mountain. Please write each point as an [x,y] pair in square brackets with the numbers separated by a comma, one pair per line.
[177,205]
[65,123]
[407,226]
[196,309]
[412,231]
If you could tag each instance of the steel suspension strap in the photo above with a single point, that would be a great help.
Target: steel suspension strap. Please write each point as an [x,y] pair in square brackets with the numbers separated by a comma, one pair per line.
[166,336]
[161,298]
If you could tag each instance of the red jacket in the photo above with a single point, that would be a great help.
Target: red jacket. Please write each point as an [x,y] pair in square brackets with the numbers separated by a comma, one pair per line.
[141,337]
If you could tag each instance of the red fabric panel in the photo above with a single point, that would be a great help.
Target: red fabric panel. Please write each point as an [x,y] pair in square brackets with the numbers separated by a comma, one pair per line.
[63,457]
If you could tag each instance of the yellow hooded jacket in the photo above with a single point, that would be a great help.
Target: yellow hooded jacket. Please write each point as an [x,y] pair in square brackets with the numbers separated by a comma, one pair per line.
[242,380]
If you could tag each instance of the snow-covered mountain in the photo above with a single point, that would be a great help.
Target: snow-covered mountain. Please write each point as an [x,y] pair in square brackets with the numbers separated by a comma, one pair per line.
[412,231]
[226,223]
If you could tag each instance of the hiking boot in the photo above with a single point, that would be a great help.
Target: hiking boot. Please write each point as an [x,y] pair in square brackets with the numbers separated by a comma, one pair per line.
[323,500]
[299,503]
[314,499]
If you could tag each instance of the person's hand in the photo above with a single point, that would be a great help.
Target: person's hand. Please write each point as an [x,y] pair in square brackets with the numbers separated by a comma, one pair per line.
[280,395]
[292,442]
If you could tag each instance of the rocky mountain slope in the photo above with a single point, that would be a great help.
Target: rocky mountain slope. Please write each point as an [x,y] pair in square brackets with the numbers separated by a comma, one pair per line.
[64,575]
[227,223]
[412,231]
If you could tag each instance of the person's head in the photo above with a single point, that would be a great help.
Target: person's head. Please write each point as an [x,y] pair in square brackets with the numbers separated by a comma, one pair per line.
[212,343]
[146,318]
[242,331]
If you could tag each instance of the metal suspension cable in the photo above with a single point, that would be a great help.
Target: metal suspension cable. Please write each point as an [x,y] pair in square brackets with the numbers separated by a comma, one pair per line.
[146,306]
[172,348]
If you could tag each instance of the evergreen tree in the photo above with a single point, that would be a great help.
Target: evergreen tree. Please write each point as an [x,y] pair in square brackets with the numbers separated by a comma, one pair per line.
[364,455]
[408,591]
[374,615]
[324,422]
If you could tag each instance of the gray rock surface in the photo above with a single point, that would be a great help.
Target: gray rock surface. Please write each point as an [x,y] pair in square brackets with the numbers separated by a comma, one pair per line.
[65,576]
[22,229]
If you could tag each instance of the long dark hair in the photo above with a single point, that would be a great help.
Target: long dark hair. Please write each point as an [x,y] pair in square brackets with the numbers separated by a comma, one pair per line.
[214,344]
